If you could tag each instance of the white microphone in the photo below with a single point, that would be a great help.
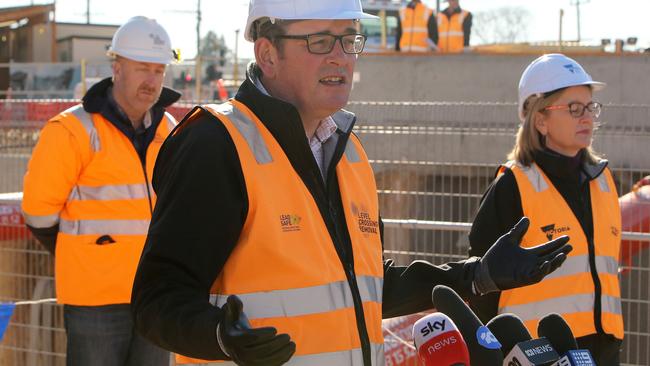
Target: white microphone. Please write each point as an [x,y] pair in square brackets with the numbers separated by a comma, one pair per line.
[439,342]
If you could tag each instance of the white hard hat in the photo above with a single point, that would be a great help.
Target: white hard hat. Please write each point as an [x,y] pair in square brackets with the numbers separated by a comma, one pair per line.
[303,9]
[552,72]
[142,39]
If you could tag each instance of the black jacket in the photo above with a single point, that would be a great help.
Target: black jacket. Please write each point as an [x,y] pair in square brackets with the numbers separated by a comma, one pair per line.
[501,208]
[202,205]
[98,99]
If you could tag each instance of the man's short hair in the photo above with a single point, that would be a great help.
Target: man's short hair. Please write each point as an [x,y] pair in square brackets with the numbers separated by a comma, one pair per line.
[265,28]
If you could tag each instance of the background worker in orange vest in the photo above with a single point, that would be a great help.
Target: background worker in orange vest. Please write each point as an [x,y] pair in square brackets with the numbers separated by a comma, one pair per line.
[88,197]
[453,28]
[556,179]
[265,246]
[416,26]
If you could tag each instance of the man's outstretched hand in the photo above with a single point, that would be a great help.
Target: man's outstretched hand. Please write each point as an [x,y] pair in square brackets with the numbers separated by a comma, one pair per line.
[251,346]
[506,265]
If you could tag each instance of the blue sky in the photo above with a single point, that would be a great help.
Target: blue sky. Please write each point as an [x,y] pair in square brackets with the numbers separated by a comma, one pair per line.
[599,18]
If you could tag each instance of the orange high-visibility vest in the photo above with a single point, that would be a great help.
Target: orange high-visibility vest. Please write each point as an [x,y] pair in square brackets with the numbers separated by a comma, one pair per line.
[415,30]
[103,213]
[569,290]
[285,267]
[451,37]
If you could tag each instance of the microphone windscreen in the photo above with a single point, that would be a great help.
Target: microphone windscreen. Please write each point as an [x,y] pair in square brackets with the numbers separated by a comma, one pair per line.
[509,330]
[484,348]
[438,341]
[558,332]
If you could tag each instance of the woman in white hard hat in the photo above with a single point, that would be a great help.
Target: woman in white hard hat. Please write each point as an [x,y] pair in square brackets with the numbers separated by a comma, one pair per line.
[555,178]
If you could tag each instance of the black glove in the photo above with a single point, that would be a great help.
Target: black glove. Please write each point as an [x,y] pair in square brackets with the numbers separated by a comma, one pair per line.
[506,265]
[251,346]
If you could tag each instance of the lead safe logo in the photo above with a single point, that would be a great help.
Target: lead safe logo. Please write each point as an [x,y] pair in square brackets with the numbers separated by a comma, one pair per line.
[550,230]
[290,222]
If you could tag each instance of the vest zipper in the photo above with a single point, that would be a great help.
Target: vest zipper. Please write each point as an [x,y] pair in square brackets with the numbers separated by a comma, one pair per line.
[598,310]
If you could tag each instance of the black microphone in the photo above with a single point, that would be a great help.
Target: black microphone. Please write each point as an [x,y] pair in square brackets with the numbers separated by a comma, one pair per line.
[484,348]
[517,344]
[558,332]
[509,330]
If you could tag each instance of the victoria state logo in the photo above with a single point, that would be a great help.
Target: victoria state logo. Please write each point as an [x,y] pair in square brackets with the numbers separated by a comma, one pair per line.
[366,224]
[550,230]
[290,222]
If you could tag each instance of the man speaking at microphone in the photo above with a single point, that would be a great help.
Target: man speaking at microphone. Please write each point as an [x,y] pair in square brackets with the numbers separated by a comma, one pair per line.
[265,246]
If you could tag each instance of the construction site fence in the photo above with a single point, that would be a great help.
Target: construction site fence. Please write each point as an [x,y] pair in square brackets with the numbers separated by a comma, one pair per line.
[432,160]
[196,80]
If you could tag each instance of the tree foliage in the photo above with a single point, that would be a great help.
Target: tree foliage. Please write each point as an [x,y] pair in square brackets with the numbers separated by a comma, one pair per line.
[507,24]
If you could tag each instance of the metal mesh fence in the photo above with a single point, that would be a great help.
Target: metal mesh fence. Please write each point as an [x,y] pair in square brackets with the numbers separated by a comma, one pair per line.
[432,162]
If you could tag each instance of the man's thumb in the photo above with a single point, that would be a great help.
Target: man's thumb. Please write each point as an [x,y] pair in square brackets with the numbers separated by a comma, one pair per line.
[233,308]
[518,231]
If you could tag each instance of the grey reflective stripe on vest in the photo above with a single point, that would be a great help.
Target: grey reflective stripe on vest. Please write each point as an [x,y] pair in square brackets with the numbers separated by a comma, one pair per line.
[602,183]
[171,121]
[564,305]
[103,227]
[86,120]
[351,152]
[109,192]
[306,300]
[580,264]
[40,222]
[343,358]
[248,130]
[535,177]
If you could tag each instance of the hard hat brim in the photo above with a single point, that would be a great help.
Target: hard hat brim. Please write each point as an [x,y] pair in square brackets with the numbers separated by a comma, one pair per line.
[347,15]
[142,58]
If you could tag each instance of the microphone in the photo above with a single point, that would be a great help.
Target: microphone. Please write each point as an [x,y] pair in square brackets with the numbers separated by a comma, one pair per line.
[439,342]
[484,348]
[509,330]
[518,345]
[558,332]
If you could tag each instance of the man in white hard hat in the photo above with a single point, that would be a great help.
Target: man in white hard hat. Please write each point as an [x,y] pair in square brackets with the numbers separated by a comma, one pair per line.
[265,246]
[88,197]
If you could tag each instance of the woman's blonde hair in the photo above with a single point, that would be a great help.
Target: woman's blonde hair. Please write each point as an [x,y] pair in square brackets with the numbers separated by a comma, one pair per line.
[529,140]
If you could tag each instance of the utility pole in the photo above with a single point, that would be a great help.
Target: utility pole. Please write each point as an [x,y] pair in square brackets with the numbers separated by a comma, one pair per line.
[235,66]
[197,63]
[577,4]
[87,11]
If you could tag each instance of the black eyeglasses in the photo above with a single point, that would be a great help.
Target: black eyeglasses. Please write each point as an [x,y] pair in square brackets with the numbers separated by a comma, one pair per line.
[577,109]
[321,44]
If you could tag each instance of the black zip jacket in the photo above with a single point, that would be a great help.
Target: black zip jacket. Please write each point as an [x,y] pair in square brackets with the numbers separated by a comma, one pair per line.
[201,208]
[501,208]
[98,99]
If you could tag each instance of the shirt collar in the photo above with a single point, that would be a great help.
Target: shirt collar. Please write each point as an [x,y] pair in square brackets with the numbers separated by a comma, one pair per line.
[326,128]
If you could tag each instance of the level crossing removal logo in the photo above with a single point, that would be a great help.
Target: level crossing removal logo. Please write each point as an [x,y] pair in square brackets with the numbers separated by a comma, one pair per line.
[366,224]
